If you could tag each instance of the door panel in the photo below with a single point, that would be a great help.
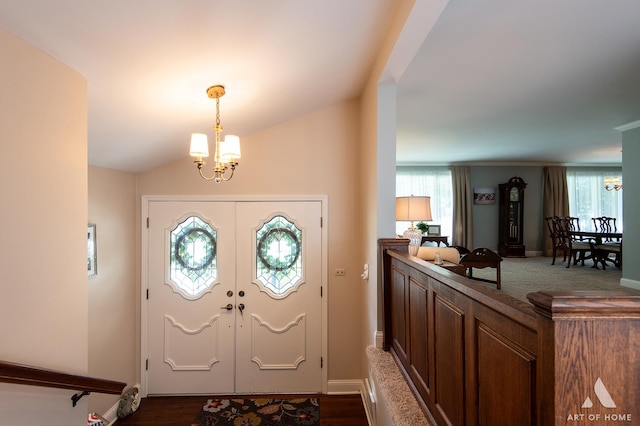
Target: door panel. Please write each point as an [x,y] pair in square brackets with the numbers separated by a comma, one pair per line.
[190,336]
[279,335]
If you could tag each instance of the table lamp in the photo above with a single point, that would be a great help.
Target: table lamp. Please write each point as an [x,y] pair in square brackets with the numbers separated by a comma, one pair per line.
[413,209]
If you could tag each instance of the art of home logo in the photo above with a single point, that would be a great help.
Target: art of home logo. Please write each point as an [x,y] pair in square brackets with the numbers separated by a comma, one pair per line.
[604,399]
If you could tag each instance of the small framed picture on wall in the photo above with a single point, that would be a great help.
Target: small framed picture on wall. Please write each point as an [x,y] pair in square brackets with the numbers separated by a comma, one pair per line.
[484,195]
[92,256]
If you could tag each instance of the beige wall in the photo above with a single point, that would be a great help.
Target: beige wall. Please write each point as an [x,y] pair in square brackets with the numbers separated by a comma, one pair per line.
[313,155]
[333,152]
[43,183]
[113,300]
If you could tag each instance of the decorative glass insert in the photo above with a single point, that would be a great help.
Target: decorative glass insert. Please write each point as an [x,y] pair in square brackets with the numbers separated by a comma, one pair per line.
[278,260]
[193,260]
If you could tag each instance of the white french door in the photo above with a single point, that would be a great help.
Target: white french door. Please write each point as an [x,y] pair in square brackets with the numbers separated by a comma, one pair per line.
[234,297]
[278,335]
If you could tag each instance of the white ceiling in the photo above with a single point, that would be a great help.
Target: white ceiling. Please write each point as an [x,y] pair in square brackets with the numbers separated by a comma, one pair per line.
[494,80]
[148,64]
[510,81]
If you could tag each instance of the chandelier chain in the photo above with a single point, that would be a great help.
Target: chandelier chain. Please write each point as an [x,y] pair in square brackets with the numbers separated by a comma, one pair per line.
[218,111]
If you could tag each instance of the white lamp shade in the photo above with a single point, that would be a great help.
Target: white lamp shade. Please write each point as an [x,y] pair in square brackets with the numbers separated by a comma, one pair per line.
[230,149]
[612,180]
[199,145]
[413,208]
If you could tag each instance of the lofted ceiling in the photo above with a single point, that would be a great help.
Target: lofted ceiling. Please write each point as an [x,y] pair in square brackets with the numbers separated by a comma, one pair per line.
[493,81]
[149,63]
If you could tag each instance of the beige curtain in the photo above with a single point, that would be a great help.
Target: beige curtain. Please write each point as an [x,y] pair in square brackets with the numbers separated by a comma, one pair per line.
[555,199]
[462,204]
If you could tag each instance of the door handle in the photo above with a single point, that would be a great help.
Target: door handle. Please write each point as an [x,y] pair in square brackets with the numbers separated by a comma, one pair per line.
[228,307]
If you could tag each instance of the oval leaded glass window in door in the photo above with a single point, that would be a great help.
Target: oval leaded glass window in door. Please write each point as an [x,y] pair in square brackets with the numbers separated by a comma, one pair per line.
[279,256]
[192,257]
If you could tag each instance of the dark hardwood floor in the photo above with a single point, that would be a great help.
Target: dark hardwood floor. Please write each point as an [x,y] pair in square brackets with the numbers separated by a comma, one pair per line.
[181,410]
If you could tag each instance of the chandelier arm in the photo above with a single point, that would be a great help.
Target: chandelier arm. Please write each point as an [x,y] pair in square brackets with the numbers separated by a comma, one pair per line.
[202,174]
[224,172]
[611,188]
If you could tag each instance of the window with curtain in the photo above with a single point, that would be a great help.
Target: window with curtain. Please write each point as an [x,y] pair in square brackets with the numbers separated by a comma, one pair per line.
[588,197]
[434,182]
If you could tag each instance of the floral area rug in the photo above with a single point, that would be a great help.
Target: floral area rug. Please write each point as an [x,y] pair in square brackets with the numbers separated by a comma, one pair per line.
[263,412]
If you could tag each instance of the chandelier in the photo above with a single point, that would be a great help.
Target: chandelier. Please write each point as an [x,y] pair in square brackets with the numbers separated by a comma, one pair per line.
[227,150]
[611,183]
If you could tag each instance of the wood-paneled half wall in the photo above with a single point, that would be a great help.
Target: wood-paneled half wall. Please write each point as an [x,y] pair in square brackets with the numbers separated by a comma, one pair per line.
[475,356]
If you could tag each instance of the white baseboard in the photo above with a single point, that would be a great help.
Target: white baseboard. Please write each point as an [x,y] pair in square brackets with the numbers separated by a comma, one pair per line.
[626,282]
[369,401]
[378,338]
[112,415]
[344,387]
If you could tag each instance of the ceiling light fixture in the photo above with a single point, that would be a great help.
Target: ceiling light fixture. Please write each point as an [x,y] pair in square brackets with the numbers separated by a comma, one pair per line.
[227,150]
[611,183]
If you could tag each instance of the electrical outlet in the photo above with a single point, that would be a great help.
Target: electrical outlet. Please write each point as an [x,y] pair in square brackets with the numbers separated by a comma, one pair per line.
[341,272]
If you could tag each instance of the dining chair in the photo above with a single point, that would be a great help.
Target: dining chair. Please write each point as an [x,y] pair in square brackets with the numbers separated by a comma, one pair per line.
[604,224]
[573,251]
[580,248]
[609,246]
[556,244]
[561,243]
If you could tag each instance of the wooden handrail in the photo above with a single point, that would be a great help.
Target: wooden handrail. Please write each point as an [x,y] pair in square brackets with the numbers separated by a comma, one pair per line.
[35,376]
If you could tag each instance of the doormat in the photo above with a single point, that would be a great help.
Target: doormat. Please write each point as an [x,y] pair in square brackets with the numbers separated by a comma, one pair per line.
[256,411]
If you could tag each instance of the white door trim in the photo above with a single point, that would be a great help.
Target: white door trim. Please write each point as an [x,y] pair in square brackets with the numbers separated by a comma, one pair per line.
[144,276]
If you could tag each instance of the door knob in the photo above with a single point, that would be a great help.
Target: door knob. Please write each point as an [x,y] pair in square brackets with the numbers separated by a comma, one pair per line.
[228,307]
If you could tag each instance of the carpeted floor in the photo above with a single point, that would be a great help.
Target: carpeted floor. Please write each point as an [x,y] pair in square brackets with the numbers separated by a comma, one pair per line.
[393,388]
[262,411]
[521,276]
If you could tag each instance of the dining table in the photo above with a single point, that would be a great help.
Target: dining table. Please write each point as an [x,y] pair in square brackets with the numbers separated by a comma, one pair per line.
[597,238]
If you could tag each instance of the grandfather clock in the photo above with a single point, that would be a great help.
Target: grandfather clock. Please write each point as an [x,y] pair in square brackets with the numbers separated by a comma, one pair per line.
[510,238]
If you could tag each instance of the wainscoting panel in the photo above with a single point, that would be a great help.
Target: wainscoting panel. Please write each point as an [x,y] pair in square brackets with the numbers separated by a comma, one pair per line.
[449,395]
[512,378]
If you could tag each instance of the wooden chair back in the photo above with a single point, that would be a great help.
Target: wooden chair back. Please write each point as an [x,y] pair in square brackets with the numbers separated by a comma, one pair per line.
[560,229]
[573,223]
[605,224]
[549,221]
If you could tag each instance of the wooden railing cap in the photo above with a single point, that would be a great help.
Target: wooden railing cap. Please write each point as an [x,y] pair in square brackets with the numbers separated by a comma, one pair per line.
[613,304]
